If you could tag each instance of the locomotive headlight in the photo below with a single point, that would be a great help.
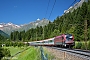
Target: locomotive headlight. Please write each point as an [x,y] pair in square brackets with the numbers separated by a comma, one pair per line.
[65,45]
[70,37]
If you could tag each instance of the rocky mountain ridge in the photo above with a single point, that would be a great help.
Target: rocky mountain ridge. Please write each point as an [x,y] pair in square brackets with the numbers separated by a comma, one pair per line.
[75,6]
[9,27]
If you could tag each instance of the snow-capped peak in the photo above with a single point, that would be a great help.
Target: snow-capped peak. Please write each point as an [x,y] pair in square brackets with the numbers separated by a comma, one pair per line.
[1,25]
[38,19]
[36,24]
[17,25]
[9,23]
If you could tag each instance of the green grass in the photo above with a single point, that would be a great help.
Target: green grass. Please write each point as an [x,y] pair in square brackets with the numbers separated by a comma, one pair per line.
[32,53]
[14,50]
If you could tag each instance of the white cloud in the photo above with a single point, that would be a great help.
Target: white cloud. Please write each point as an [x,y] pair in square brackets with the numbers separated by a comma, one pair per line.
[15,6]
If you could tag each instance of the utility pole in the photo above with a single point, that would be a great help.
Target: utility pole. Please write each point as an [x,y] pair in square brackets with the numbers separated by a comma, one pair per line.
[43,32]
[85,33]
[31,38]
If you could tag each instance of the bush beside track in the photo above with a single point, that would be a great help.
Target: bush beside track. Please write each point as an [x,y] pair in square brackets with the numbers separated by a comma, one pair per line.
[82,45]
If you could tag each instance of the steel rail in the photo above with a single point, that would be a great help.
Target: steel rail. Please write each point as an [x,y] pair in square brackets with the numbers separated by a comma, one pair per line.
[75,52]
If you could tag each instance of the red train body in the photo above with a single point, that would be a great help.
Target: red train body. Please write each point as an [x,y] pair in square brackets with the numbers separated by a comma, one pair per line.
[64,40]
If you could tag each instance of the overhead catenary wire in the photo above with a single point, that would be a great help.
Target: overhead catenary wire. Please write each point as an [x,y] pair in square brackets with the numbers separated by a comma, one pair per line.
[47,8]
[54,5]
[72,4]
[52,9]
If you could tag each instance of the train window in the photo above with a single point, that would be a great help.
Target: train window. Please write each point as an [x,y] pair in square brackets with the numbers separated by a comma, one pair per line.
[43,42]
[51,40]
[37,42]
[46,41]
[69,37]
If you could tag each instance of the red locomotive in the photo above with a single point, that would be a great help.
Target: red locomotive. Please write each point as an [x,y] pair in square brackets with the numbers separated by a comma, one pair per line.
[65,40]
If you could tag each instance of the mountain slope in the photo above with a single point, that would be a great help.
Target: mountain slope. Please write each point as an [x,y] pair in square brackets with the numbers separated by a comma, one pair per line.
[76,5]
[3,34]
[34,24]
[8,27]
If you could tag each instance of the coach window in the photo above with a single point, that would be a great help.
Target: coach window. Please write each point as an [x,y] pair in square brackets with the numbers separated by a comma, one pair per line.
[43,42]
[50,40]
[46,41]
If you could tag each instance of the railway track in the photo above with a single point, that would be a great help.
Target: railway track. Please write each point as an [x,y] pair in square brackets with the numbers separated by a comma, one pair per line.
[80,53]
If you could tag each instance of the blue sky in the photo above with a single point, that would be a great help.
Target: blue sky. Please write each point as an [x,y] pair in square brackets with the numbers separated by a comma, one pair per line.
[26,11]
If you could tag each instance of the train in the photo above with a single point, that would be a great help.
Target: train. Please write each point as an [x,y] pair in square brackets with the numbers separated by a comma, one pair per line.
[64,40]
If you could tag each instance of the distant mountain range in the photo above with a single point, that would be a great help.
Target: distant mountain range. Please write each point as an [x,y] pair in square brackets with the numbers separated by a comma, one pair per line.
[9,27]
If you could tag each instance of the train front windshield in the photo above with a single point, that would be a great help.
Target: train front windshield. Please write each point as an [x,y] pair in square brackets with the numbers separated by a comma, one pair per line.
[69,37]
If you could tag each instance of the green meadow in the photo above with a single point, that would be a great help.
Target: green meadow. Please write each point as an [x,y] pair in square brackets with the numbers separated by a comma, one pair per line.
[32,53]
[14,50]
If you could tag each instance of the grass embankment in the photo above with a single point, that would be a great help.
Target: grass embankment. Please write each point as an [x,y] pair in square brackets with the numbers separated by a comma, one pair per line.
[14,50]
[32,53]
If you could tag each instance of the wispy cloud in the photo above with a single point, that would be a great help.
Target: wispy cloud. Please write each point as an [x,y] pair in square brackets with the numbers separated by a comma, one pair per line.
[15,6]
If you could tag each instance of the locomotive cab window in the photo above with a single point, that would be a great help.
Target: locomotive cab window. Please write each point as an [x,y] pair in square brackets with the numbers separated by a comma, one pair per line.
[69,37]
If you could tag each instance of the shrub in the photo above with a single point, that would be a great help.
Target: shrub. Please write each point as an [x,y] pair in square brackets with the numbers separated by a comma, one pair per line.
[4,53]
[1,53]
[7,44]
[89,45]
[78,46]
[74,47]
[83,46]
